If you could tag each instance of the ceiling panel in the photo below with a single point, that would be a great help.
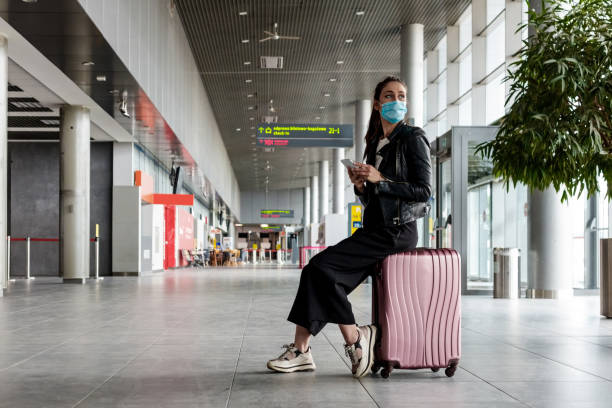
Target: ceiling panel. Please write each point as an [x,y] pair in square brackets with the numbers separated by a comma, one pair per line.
[297,91]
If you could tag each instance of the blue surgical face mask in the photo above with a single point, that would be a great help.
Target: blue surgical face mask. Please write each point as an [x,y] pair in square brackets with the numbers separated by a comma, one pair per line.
[394,111]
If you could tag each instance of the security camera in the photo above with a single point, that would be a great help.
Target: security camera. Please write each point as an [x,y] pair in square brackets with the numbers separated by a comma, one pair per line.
[123,105]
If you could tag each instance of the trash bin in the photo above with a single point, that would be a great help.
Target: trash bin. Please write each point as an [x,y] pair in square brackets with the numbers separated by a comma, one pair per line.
[506,277]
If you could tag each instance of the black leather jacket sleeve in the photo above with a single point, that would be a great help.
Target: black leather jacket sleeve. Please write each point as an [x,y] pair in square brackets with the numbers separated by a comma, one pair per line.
[363,197]
[416,187]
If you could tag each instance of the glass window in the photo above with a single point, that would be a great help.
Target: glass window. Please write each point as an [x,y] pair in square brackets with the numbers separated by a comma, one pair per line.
[442,93]
[465,28]
[494,7]
[496,47]
[465,111]
[496,94]
[442,54]
[465,74]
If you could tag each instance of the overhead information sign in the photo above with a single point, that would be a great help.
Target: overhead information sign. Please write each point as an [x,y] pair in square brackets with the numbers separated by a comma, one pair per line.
[276,214]
[301,135]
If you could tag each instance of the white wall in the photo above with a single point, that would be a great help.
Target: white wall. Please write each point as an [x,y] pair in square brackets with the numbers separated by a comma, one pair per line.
[154,48]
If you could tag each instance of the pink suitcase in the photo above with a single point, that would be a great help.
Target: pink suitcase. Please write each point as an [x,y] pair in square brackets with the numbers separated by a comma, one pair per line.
[417,309]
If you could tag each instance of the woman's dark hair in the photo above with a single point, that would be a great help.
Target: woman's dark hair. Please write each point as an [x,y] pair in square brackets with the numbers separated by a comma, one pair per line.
[375,125]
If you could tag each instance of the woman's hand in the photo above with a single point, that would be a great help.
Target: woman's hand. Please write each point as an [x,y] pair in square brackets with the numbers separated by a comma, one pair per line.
[356,180]
[368,173]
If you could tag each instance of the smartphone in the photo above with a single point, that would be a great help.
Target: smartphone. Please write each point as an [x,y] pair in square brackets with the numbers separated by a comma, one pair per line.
[348,163]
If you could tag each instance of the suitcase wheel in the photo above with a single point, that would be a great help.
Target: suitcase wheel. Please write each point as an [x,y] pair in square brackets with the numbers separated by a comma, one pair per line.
[435,369]
[386,371]
[450,370]
[375,367]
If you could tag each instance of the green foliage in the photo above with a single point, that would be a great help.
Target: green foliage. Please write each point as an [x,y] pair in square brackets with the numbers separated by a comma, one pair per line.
[559,128]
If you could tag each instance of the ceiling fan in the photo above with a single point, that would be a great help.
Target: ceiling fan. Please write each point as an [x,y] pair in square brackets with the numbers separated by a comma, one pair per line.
[276,36]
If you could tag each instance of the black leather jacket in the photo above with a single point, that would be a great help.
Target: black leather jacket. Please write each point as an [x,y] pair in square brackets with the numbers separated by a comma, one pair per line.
[407,173]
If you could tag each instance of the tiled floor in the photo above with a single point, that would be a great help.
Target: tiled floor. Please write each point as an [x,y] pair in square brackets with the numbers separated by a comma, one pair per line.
[200,338]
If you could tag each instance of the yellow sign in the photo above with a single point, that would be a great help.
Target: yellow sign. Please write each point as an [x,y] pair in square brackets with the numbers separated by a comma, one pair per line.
[355,220]
[97,230]
[254,246]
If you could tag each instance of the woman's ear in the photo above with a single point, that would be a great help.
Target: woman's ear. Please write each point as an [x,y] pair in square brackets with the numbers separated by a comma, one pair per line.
[376,105]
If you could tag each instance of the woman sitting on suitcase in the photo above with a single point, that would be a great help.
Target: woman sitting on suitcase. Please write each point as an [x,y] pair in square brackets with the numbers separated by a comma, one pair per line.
[394,185]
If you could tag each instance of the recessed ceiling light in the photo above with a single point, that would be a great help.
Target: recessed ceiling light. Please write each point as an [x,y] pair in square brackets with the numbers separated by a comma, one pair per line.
[238,129]
[252,135]
[250,95]
[348,40]
[247,62]
[316,118]
[339,62]
[245,41]
[253,143]
[359,13]
[321,107]
[88,63]
[101,78]
[242,13]
[251,118]
[254,149]
[333,79]
[248,81]
[326,94]
[113,92]
[30,1]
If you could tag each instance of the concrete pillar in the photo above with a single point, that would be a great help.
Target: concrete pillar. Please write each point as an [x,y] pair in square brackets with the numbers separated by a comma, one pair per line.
[591,243]
[549,274]
[324,188]
[363,111]
[307,206]
[3,160]
[74,193]
[123,166]
[314,199]
[411,71]
[338,183]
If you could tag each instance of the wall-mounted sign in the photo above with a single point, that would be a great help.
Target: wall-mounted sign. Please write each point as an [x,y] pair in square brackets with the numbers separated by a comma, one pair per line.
[272,228]
[300,135]
[276,214]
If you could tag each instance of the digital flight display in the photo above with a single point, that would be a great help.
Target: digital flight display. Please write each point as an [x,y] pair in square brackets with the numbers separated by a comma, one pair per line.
[302,135]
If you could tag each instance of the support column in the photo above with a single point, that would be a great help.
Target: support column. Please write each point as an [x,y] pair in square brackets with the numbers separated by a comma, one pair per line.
[338,183]
[3,161]
[123,166]
[363,111]
[314,199]
[550,274]
[74,193]
[515,16]
[411,71]
[307,206]
[591,243]
[324,187]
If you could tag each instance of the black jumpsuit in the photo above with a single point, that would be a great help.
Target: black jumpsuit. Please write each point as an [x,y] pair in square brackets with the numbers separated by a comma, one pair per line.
[335,272]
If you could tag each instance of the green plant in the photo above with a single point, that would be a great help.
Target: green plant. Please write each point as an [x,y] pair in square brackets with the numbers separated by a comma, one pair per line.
[558,130]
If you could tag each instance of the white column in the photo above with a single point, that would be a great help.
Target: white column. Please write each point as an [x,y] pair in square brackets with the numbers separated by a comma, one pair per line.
[123,166]
[411,71]
[479,62]
[550,274]
[314,199]
[74,193]
[307,205]
[363,111]
[3,160]
[452,75]
[433,68]
[324,187]
[338,184]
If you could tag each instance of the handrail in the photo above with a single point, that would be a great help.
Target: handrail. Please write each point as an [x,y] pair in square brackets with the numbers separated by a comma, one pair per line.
[29,240]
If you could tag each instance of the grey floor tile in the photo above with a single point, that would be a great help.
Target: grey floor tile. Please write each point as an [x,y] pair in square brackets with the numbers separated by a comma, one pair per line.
[559,394]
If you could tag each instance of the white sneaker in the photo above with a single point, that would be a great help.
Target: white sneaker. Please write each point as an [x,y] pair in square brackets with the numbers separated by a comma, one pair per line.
[292,360]
[361,353]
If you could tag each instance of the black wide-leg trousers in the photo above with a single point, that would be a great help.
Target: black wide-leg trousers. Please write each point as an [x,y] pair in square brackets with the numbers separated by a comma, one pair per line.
[334,273]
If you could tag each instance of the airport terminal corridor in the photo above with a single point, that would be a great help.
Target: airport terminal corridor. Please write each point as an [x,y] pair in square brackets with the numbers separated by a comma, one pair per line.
[198,337]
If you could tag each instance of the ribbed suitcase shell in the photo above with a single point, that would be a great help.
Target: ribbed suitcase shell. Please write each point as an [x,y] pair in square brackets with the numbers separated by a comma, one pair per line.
[417,308]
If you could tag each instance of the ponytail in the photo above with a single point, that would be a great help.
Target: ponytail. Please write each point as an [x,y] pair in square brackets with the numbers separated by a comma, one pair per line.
[375,124]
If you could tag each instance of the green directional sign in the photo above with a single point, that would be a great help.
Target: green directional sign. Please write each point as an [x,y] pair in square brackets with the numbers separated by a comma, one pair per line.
[302,135]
